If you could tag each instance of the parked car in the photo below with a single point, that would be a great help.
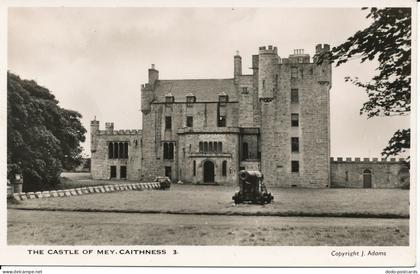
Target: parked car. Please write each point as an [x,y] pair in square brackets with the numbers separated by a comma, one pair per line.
[164,181]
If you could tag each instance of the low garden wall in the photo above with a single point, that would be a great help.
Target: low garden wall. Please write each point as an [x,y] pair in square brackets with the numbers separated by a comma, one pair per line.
[86,190]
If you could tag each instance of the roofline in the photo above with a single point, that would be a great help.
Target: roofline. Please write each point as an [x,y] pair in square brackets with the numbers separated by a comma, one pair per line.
[201,79]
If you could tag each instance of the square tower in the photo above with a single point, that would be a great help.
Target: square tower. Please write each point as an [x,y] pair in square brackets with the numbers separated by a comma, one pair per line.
[295,118]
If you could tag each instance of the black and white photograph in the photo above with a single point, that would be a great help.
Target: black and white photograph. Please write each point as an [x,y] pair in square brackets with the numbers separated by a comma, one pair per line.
[140,134]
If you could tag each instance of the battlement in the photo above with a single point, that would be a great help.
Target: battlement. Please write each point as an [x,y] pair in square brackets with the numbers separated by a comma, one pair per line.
[319,48]
[268,50]
[367,160]
[121,132]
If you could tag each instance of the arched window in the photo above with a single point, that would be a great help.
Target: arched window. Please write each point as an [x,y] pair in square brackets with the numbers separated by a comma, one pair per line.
[220,147]
[194,168]
[210,147]
[224,168]
[205,146]
[110,151]
[215,147]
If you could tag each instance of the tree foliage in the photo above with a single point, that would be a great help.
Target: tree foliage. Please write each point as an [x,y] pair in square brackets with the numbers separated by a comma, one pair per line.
[388,41]
[42,137]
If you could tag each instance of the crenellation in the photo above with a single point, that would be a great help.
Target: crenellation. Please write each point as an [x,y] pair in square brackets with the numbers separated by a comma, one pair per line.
[276,120]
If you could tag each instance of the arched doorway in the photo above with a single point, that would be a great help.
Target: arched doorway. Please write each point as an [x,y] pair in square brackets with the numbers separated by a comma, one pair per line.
[367,178]
[208,172]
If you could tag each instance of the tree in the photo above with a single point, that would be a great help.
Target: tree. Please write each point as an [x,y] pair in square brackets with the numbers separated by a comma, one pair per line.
[387,40]
[42,137]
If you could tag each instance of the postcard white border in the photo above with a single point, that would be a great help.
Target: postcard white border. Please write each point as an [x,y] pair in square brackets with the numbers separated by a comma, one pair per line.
[207,255]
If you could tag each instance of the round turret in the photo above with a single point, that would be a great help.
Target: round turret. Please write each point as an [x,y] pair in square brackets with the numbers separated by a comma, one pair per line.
[268,61]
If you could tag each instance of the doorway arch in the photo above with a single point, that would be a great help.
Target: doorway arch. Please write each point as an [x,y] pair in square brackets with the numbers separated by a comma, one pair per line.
[367,178]
[208,172]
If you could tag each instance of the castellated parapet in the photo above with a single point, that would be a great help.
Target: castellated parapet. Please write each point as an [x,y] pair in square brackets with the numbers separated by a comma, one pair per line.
[115,154]
[276,119]
[371,160]
[369,172]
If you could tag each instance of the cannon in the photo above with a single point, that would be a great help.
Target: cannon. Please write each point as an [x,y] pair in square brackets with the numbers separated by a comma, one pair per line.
[252,189]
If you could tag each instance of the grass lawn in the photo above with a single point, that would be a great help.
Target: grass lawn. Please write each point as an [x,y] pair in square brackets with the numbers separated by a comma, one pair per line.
[103,228]
[218,200]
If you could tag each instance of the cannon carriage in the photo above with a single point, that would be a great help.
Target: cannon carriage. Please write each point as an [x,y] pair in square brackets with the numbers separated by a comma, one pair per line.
[252,189]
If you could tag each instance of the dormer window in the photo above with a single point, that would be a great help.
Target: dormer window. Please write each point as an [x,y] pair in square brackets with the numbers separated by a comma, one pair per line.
[223,99]
[169,98]
[190,100]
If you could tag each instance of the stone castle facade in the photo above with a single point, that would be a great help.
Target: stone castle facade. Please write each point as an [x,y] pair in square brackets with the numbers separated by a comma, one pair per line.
[276,120]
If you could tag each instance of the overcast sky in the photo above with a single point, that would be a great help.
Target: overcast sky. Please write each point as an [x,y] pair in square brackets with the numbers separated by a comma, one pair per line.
[95,59]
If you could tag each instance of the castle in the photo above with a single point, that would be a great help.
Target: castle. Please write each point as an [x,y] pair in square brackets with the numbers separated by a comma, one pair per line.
[203,131]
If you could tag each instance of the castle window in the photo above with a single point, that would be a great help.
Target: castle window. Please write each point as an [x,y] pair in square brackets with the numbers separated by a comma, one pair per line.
[294,73]
[295,166]
[210,147]
[223,99]
[244,150]
[244,90]
[263,84]
[110,151]
[118,150]
[295,144]
[294,95]
[215,147]
[190,121]
[168,150]
[219,147]
[194,169]
[169,99]
[126,150]
[115,151]
[168,122]
[121,150]
[113,172]
[222,121]
[200,146]
[190,100]
[123,172]
[347,176]
[276,83]
[224,168]
[295,119]
[206,146]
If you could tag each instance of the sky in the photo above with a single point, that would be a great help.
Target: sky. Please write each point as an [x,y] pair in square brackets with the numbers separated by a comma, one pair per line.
[94,60]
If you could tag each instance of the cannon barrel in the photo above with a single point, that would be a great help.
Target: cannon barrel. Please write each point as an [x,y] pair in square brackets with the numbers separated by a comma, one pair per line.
[251,176]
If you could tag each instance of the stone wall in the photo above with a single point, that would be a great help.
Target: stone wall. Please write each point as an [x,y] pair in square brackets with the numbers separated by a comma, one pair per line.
[190,154]
[350,172]
[100,162]
[204,126]
[313,84]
